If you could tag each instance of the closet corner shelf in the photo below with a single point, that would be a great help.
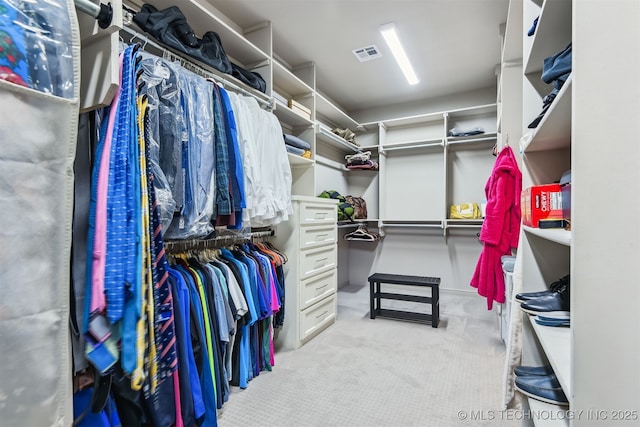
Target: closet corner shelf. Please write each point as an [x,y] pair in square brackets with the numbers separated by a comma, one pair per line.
[413,120]
[557,235]
[203,17]
[287,115]
[362,170]
[421,143]
[481,139]
[296,160]
[556,342]
[331,138]
[512,46]
[328,109]
[542,411]
[192,64]
[554,130]
[371,148]
[288,81]
[477,110]
[552,33]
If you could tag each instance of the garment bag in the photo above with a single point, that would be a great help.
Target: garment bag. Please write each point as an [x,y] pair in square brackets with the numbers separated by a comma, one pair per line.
[38,127]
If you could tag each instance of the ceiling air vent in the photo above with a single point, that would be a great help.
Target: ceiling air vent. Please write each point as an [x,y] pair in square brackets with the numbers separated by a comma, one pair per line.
[367,53]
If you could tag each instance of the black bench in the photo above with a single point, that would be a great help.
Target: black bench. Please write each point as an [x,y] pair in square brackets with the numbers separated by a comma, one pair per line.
[376,295]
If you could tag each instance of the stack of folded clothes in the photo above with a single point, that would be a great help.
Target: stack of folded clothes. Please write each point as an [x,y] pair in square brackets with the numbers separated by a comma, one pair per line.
[540,383]
[551,307]
[361,160]
[297,146]
[457,132]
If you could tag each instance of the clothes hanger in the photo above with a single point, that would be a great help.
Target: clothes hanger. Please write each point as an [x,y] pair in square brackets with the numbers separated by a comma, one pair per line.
[274,256]
[362,233]
[276,250]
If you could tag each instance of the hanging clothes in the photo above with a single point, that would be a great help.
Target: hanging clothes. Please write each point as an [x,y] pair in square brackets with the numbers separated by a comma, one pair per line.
[501,227]
[130,322]
[267,175]
[219,157]
[199,164]
[175,337]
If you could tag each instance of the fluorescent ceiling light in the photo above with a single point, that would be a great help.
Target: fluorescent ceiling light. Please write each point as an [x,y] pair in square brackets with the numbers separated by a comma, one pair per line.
[388,31]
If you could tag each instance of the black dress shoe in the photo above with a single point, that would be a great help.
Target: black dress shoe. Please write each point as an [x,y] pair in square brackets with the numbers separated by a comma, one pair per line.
[552,288]
[556,303]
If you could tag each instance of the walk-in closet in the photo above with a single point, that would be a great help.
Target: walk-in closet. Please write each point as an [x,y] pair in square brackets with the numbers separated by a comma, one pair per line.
[319,213]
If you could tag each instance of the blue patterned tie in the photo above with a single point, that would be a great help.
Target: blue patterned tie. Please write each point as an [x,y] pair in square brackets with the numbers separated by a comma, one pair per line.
[120,267]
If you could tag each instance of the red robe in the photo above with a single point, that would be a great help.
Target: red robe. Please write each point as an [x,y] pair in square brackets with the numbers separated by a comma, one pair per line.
[501,227]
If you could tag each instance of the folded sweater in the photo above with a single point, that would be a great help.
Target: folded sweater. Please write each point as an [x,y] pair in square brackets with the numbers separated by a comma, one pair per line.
[296,142]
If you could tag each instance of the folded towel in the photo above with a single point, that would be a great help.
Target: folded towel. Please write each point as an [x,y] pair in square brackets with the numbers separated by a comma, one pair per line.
[296,142]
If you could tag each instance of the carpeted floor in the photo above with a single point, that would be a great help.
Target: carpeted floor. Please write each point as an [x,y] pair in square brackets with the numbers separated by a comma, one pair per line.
[363,372]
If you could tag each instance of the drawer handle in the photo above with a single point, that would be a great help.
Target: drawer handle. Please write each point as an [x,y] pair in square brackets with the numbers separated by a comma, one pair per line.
[321,262]
[322,287]
[322,314]
[321,237]
[321,215]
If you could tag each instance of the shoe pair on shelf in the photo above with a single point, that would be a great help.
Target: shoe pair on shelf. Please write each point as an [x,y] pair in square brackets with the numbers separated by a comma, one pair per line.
[540,383]
[554,320]
[553,303]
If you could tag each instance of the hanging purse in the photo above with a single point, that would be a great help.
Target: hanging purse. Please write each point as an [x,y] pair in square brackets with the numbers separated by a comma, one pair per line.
[169,26]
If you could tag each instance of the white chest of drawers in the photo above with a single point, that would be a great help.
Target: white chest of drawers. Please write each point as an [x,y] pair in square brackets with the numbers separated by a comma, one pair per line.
[309,239]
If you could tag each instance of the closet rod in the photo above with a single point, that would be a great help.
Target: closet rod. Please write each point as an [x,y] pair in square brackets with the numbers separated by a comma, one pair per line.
[102,12]
[196,68]
[331,163]
[213,243]
[406,147]
[415,225]
[349,225]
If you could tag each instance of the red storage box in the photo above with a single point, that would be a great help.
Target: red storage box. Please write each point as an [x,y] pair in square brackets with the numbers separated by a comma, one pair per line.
[541,202]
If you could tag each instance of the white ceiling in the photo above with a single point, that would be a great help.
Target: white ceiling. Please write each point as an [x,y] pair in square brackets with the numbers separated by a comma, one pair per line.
[454,45]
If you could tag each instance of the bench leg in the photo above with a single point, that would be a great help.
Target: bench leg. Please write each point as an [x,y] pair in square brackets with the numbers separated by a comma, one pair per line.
[372,311]
[435,307]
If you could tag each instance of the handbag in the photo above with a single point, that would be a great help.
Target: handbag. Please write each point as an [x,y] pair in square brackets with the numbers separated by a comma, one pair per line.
[465,211]
[359,206]
[169,26]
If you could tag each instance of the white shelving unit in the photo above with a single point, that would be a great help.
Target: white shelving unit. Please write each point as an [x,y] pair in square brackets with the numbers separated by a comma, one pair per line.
[249,47]
[548,415]
[552,33]
[418,149]
[591,358]
[546,152]
[552,234]
[327,137]
[556,343]
[554,130]
[328,111]
[422,171]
